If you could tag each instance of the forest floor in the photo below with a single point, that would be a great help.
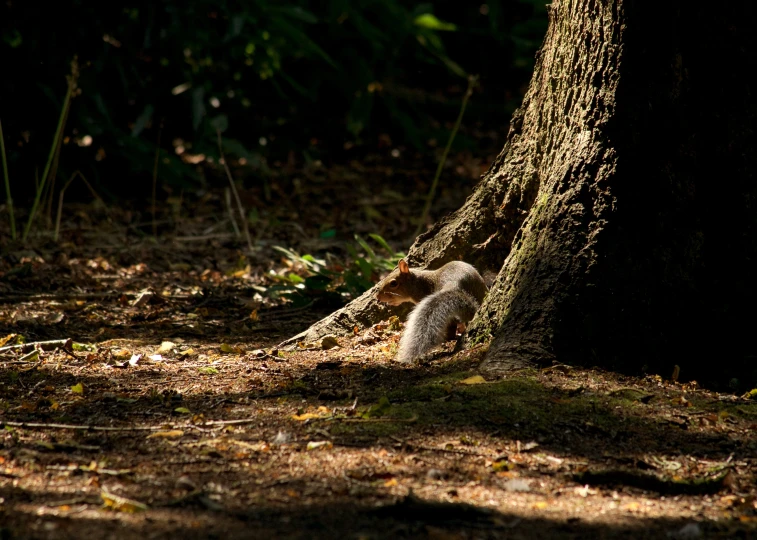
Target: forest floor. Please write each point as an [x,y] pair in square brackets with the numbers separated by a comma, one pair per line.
[165,409]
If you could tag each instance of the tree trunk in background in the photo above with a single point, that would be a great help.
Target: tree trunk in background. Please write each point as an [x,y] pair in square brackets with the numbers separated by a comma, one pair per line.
[623,203]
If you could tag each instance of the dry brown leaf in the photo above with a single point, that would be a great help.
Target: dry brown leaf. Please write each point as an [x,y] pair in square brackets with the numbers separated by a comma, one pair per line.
[172,434]
[476,379]
[121,504]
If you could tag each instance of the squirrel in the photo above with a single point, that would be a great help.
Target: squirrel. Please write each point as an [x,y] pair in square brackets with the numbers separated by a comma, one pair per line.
[443,298]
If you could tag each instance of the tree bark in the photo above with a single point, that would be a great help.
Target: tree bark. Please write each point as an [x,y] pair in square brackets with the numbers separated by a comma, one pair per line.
[620,215]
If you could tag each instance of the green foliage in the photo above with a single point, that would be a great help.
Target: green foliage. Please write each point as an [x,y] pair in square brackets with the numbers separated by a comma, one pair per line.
[261,70]
[348,282]
[379,409]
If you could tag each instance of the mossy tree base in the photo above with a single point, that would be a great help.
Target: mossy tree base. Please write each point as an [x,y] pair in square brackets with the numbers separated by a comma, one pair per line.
[620,216]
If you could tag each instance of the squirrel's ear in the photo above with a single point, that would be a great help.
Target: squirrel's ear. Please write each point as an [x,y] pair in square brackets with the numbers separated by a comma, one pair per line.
[404,268]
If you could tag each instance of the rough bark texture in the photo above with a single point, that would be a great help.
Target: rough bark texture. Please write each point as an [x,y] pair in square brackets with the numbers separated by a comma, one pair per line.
[640,247]
[480,232]
[620,215]
[566,116]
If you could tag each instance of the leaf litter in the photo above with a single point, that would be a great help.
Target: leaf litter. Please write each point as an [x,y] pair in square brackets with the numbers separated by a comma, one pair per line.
[158,405]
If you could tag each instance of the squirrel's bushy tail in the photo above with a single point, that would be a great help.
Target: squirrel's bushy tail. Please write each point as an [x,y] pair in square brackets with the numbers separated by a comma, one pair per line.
[430,321]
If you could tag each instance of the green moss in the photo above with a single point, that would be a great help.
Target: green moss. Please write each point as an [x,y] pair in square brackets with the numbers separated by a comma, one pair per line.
[515,406]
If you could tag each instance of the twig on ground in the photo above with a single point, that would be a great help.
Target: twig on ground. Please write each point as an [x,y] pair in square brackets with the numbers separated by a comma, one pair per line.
[85,427]
[41,345]
[62,193]
[29,357]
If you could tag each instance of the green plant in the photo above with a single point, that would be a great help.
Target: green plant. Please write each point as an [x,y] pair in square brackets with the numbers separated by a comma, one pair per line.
[351,280]
[55,147]
[6,178]
[264,64]
[472,82]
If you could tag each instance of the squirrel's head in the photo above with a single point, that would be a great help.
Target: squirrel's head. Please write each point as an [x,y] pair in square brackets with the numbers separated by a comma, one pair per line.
[395,289]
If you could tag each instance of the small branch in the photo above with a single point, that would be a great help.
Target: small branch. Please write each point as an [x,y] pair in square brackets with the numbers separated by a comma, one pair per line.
[410,420]
[85,296]
[230,422]
[41,345]
[63,191]
[29,357]
[31,425]
[242,214]
[83,427]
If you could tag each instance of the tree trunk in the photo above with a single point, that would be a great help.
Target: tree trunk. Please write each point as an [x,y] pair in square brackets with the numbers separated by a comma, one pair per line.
[620,215]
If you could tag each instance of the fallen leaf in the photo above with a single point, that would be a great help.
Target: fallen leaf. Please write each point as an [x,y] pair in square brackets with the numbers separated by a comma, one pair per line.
[166,346]
[502,465]
[306,416]
[329,342]
[11,339]
[228,349]
[121,504]
[320,445]
[379,409]
[173,434]
[182,410]
[207,370]
[476,379]
[78,388]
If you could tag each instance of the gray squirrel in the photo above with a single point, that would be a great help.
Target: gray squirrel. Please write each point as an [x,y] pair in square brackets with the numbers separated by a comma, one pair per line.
[444,298]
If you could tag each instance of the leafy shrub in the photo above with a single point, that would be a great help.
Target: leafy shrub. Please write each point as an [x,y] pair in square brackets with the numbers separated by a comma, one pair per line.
[277,73]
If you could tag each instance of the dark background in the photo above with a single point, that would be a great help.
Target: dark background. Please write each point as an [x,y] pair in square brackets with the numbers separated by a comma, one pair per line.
[287,83]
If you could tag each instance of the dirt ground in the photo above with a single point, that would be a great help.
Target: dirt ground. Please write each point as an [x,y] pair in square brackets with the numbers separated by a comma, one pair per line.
[164,409]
